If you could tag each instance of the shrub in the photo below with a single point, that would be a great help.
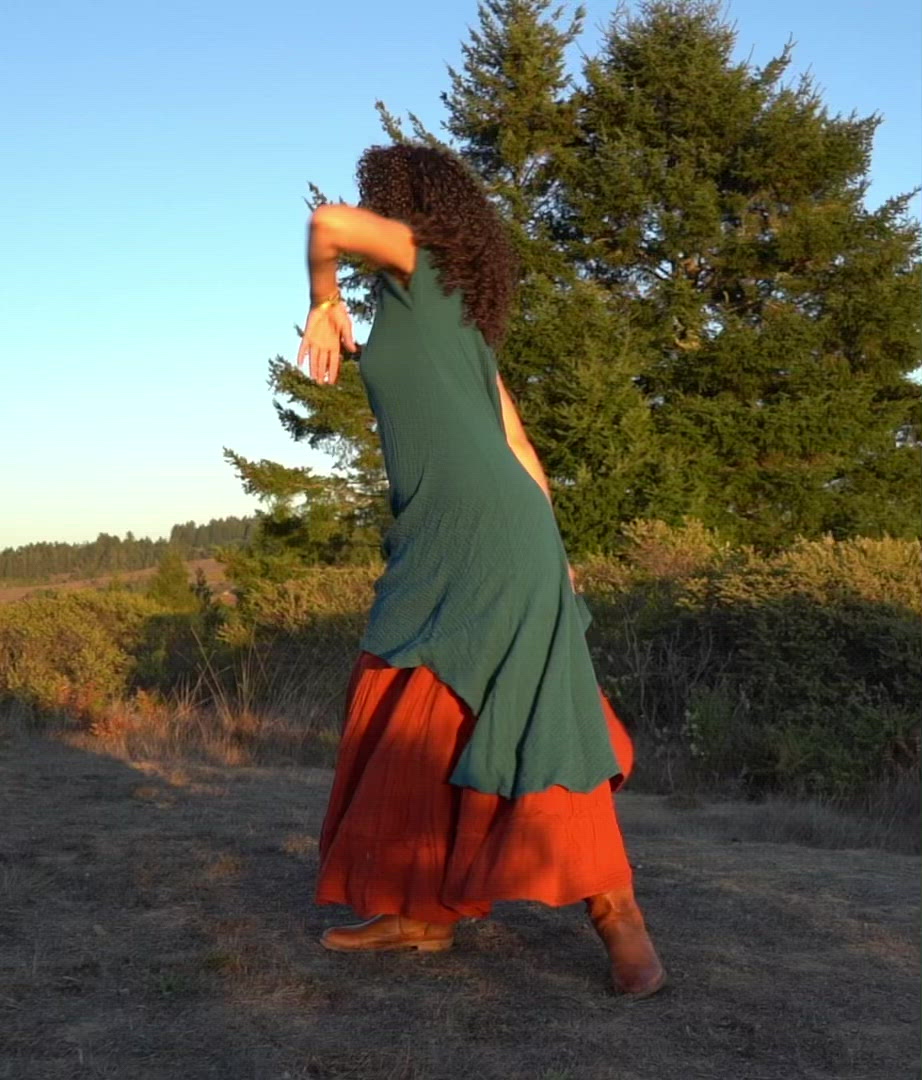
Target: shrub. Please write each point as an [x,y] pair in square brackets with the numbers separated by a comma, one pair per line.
[170,586]
[71,649]
[801,670]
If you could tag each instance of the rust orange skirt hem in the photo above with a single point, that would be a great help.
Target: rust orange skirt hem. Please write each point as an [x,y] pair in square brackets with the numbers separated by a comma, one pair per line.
[399,839]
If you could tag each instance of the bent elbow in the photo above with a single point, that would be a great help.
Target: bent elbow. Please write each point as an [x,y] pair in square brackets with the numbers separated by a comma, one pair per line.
[327,221]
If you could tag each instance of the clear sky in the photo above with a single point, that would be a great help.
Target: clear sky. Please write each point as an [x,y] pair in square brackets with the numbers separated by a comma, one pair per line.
[155,159]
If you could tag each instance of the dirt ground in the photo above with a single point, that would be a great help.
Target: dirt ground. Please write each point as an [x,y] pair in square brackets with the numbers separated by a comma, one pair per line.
[156,923]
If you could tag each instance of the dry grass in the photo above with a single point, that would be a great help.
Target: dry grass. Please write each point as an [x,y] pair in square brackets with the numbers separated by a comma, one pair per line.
[156,922]
[796,673]
[282,725]
[250,714]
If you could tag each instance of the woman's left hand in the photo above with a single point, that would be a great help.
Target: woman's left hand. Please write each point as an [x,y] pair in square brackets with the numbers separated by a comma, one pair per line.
[328,330]
[572,573]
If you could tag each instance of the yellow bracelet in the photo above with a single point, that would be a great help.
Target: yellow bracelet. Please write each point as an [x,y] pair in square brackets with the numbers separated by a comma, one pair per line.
[331,301]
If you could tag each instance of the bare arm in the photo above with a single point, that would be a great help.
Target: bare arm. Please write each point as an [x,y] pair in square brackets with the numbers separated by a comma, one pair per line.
[336,230]
[528,456]
[522,447]
[518,439]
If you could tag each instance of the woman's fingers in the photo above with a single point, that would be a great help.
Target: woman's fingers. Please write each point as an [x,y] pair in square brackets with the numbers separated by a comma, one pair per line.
[317,362]
[330,363]
[321,344]
[303,350]
[345,333]
[323,363]
[308,340]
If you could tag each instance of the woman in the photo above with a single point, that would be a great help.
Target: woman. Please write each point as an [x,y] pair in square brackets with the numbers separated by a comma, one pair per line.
[479,754]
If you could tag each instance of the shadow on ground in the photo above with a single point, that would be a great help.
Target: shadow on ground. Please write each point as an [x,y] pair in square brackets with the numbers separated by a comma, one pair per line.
[156,922]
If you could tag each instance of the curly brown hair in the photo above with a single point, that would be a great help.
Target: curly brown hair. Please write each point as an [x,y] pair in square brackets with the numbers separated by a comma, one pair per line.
[446,206]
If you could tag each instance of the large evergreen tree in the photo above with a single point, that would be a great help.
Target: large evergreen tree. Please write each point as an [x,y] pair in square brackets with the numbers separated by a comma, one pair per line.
[710,321]
[774,318]
[568,358]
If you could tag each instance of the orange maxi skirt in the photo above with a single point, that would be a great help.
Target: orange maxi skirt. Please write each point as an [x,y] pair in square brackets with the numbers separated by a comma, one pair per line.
[399,839]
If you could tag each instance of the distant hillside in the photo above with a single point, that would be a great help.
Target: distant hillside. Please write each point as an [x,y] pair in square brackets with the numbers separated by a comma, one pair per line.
[212,571]
[38,563]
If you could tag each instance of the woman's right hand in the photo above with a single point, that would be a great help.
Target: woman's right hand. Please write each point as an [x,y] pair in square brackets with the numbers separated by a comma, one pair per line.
[328,330]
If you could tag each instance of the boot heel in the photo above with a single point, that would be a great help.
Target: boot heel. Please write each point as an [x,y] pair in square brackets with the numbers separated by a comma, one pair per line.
[636,970]
[437,945]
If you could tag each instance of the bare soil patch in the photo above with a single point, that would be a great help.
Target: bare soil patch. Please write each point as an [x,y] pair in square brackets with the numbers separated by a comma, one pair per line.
[156,923]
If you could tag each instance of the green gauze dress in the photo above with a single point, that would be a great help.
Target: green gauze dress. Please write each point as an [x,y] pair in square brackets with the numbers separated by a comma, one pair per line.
[476,585]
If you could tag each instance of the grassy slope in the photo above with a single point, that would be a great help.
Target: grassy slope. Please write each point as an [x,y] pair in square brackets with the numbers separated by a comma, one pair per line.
[156,922]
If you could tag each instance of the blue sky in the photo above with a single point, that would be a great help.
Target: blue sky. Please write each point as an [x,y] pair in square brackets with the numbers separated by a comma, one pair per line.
[156,156]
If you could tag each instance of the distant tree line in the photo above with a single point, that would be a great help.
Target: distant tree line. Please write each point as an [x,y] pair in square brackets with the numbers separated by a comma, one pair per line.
[108,554]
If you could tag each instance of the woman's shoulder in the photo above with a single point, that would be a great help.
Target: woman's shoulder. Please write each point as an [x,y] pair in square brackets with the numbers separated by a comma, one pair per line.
[420,286]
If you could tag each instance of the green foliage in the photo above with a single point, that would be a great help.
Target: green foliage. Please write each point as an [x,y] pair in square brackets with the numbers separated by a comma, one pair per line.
[710,320]
[569,355]
[800,671]
[812,696]
[310,520]
[193,541]
[78,653]
[170,586]
[509,109]
[773,317]
[290,646]
[72,651]
[291,607]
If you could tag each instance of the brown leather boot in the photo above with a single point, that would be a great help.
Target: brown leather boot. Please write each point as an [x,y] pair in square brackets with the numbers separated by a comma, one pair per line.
[389,932]
[635,968]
